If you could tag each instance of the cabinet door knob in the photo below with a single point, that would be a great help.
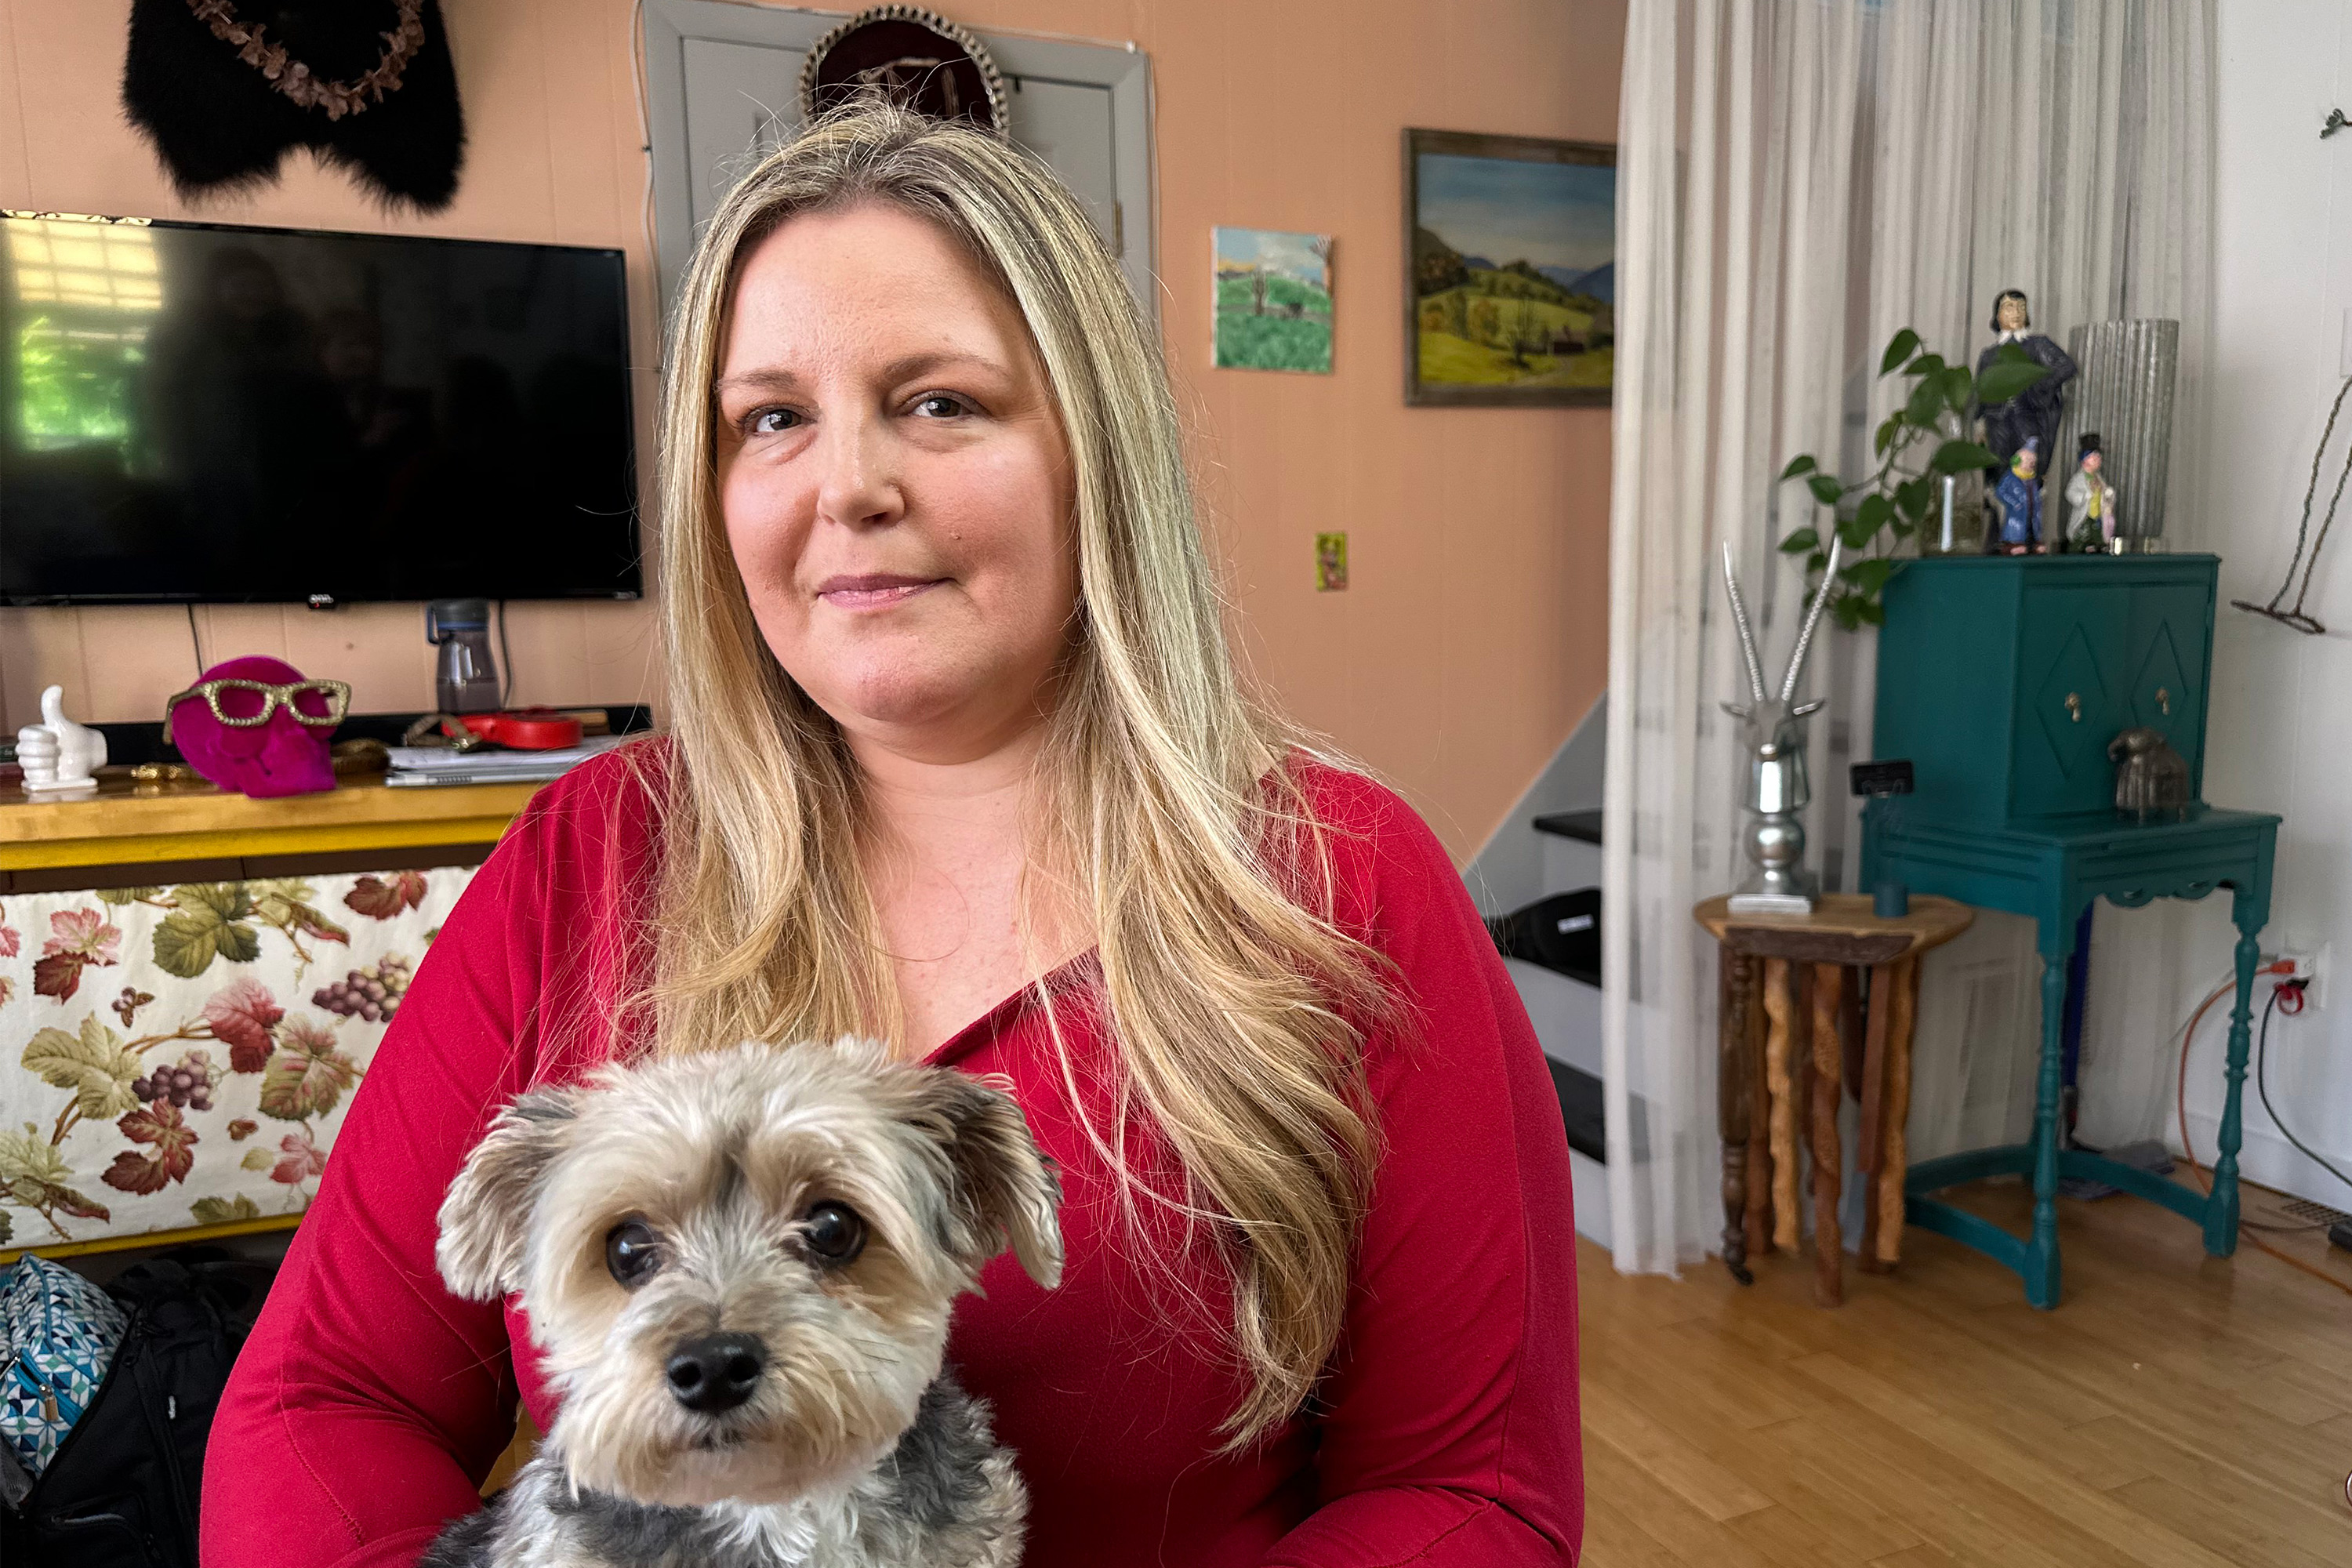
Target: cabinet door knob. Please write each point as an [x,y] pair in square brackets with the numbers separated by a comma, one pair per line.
[2075,706]
[2164,700]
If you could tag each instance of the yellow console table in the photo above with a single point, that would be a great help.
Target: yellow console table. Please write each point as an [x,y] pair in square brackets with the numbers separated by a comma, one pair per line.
[191,986]
[127,824]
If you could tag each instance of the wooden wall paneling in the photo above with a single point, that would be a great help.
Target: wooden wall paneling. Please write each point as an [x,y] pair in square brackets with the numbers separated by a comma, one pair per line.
[38,649]
[14,166]
[379,648]
[623,661]
[133,657]
[544,643]
[228,631]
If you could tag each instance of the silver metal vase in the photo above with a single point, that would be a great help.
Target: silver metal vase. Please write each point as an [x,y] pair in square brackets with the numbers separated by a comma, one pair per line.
[1773,731]
[2124,393]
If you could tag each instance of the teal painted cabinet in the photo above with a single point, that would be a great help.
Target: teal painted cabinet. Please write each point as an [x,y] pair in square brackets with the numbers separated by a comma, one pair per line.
[2004,678]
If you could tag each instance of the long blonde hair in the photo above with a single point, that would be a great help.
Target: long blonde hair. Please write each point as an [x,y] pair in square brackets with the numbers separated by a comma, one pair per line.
[1179,828]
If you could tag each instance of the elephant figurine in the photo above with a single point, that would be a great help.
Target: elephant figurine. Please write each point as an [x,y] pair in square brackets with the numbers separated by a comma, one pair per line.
[2151,778]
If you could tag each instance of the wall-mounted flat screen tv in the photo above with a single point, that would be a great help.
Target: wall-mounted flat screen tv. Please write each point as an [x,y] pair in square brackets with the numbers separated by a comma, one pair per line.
[205,413]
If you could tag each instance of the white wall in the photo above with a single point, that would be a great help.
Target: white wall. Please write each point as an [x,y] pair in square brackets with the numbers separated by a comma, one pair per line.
[2280,734]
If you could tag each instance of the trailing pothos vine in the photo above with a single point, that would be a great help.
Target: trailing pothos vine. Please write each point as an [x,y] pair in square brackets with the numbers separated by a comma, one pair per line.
[1878,515]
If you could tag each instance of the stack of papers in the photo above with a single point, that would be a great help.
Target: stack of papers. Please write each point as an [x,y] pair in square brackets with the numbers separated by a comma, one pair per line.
[415,766]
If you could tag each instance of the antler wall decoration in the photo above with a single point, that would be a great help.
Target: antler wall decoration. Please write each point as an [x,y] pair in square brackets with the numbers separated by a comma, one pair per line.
[1773,731]
[2295,616]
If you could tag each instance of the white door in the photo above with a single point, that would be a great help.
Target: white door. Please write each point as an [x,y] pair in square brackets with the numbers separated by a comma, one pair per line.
[739,105]
[724,83]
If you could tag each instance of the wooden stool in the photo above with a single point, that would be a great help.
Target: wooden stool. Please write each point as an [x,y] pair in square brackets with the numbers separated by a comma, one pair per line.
[1799,1049]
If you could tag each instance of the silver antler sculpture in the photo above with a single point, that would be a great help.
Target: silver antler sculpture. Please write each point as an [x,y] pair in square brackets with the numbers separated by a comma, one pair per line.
[1773,729]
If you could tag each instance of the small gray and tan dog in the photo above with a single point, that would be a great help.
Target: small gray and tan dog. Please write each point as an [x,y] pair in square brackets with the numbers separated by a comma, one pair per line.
[738,1268]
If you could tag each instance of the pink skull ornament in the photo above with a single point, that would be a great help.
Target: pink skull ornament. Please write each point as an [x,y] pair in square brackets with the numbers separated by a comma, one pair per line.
[279,756]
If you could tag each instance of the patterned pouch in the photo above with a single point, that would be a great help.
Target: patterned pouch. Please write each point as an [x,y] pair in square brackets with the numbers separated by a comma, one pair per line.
[57,1336]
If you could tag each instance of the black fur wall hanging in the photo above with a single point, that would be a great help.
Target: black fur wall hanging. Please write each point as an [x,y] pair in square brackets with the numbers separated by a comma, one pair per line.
[224,87]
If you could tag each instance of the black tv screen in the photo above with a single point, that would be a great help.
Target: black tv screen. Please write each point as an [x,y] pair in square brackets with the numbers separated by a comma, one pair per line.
[200,412]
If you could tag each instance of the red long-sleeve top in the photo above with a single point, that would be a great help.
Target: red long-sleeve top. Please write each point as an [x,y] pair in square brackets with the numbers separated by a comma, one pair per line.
[369,1403]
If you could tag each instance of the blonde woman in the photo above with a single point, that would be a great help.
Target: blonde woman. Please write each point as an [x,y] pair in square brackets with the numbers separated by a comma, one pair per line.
[959,759]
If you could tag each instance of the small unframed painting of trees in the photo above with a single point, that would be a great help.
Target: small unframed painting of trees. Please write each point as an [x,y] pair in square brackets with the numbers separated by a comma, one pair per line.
[1272,299]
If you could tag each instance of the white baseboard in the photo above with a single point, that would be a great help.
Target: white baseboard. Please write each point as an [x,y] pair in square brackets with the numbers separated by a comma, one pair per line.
[2270,1160]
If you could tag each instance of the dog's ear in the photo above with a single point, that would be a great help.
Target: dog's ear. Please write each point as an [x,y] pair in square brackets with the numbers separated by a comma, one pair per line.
[486,1216]
[1002,1188]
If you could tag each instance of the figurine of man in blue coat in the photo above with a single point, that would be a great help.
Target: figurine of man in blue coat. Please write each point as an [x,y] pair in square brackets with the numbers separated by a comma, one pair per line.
[2035,413]
[2019,498]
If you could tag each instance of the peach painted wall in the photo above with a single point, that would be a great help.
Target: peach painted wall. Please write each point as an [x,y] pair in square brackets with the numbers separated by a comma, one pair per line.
[1474,635]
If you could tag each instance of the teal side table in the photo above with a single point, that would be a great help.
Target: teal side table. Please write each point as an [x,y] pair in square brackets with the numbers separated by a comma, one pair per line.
[2051,870]
[2003,679]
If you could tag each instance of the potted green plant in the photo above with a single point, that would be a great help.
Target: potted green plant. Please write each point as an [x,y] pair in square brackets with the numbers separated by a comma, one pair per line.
[1879,515]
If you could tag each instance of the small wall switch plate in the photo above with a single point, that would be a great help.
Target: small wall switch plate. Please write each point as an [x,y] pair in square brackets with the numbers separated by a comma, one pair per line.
[1330,563]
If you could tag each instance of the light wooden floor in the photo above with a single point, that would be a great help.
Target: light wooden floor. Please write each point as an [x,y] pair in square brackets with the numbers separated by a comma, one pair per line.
[2175,1409]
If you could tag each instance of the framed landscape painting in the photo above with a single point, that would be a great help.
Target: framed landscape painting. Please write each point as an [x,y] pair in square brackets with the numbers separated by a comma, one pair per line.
[1510,277]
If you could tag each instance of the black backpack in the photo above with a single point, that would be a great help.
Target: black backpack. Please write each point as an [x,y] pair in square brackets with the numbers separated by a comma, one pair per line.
[121,1491]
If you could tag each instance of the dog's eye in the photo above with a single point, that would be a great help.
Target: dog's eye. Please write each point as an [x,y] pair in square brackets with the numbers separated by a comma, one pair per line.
[834,1232]
[633,1252]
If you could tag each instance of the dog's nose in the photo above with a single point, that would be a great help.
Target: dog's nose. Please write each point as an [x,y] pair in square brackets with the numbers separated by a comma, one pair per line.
[717,1371]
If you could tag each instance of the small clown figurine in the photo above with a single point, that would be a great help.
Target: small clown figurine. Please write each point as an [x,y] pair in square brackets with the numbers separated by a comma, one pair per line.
[2018,498]
[2090,501]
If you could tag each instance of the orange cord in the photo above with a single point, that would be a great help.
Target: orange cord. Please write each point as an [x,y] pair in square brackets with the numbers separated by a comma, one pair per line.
[2181,1103]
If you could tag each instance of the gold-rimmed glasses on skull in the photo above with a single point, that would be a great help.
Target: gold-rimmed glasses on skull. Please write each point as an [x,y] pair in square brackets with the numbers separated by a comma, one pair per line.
[243,704]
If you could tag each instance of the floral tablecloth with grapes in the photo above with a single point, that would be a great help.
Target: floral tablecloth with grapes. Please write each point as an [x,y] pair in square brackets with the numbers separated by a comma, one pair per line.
[174,1056]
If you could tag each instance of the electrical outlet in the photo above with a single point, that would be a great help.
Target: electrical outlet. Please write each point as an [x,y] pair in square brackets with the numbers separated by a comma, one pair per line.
[2311,968]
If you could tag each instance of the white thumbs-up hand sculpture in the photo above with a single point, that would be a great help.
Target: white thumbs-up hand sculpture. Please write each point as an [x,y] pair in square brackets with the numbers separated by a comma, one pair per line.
[58,754]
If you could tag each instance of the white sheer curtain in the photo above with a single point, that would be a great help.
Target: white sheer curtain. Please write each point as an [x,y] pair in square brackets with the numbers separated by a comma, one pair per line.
[1797,180]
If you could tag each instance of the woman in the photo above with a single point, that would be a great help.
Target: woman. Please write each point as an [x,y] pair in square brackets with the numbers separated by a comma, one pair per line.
[959,759]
